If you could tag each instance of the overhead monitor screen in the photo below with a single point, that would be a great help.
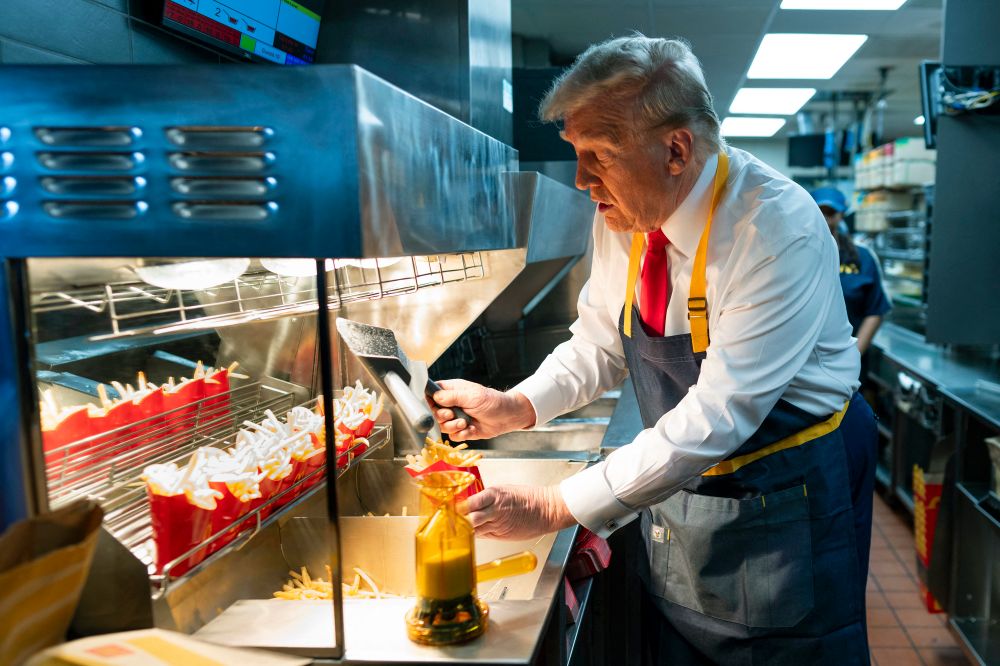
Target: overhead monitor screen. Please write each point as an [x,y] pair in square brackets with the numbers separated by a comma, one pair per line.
[281,31]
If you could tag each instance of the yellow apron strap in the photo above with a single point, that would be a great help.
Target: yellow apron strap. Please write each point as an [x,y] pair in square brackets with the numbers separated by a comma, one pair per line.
[697,303]
[798,439]
[638,240]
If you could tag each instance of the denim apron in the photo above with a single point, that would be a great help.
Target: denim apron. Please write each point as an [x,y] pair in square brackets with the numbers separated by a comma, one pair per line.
[756,561]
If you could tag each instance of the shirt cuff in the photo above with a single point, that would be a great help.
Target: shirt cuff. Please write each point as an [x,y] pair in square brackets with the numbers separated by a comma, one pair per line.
[543,396]
[592,502]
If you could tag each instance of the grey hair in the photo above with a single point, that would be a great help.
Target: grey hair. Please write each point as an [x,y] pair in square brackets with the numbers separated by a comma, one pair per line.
[657,83]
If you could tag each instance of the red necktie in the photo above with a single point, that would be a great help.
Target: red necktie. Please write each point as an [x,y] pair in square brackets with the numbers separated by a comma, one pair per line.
[655,291]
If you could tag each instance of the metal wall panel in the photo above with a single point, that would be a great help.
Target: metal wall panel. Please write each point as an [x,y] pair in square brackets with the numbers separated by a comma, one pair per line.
[970,33]
[489,73]
[964,267]
[453,54]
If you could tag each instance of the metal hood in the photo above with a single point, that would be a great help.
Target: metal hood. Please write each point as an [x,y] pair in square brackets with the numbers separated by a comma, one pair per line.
[553,225]
[217,160]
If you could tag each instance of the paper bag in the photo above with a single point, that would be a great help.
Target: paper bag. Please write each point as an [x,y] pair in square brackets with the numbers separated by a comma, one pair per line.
[44,563]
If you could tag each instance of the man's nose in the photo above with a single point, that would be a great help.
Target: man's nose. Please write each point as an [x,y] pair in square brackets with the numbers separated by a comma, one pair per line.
[584,177]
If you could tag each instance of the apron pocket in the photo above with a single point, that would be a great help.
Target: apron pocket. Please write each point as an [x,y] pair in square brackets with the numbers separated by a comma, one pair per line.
[741,560]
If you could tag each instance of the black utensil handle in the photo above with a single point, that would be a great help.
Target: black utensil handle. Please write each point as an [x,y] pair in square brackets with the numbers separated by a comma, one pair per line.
[416,412]
[432,388]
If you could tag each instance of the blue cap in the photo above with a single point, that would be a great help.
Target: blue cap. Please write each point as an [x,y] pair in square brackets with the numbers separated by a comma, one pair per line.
[830,196]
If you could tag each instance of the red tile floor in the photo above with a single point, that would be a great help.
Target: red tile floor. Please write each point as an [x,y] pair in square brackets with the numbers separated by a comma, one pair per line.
[900,631]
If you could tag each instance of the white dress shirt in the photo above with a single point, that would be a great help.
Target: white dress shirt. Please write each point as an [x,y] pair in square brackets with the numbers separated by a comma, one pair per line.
[777,324]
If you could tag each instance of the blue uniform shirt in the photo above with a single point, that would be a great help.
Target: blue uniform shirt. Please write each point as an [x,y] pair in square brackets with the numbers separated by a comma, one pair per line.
[862,285]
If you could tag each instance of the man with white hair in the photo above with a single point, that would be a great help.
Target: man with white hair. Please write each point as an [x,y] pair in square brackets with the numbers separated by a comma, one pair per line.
[753,476]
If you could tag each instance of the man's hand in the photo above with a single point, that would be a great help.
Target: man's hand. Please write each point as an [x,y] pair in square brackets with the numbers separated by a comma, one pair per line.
[517,512]
[492,412]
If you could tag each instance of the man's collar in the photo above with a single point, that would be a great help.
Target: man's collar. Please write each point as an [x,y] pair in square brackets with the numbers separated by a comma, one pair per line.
[683,228]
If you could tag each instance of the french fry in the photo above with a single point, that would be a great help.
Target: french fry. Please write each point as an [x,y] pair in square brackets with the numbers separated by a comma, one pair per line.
[436,450]
[303,586]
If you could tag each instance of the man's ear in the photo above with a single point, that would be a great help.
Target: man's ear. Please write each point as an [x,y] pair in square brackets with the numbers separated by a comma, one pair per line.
[679,144]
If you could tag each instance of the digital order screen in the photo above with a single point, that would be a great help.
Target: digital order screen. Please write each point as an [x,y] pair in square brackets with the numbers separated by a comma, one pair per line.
[281,31]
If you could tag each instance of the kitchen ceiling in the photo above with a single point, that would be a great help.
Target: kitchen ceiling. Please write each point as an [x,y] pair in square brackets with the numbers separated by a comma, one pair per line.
[724,34]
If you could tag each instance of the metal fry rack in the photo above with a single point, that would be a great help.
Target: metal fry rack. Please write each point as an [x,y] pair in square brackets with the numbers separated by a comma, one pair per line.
[137,308]
[108,467]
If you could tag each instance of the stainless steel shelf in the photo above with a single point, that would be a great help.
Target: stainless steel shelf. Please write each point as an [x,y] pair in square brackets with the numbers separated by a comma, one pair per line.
[899,255]
[136,308]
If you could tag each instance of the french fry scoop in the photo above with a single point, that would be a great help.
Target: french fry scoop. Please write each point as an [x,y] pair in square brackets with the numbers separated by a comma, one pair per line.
[383,358]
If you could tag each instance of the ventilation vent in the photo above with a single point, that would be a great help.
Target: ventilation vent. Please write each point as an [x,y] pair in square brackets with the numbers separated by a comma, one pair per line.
[222,172]
[7,183]
[91,172]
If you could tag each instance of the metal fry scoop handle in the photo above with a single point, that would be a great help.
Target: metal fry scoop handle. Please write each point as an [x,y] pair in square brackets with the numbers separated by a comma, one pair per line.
[383,358]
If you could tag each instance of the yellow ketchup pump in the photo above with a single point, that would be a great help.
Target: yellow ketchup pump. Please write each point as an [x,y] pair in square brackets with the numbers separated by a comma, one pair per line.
[447,608]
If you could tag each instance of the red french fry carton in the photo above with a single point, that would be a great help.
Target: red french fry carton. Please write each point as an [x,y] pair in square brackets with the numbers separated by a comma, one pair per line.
[180,414]
[74,425]
[365,428]
[178,526]
[269,489]
[342,447]
[298,469]
[226,517]
[112,421]
[148,415]
[442,466]
[315,462]
[216,409]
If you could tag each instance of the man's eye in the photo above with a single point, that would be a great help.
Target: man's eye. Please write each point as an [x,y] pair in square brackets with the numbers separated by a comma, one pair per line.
[604,158]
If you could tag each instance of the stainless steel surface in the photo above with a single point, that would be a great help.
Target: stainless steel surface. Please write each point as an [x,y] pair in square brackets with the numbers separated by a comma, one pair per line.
[487,40]
[384,547]
[428,321]
[454,55]
[217,293]
[374,630]
[553,222]
[983,403]
[569,435]
[944,367]
[359,167]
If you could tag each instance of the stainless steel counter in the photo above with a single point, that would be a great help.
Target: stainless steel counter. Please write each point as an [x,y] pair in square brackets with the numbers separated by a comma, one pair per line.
[374,631]
[955,374]
[945,368]
[983,403]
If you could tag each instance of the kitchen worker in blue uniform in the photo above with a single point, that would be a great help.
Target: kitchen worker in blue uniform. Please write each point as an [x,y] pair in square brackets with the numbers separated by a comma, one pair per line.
[859,273]
[715,287]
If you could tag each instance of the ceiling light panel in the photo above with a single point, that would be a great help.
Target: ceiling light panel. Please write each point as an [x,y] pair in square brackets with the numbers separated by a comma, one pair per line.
[844,5]
[803,56]
[773,101]
[733,126]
